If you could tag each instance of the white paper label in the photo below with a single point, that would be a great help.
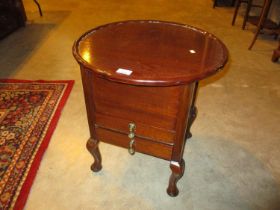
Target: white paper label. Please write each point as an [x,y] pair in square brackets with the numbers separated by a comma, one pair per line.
[124,71]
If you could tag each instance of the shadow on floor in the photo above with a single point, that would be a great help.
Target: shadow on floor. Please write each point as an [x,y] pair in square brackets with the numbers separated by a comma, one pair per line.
[16,48]
[225,175]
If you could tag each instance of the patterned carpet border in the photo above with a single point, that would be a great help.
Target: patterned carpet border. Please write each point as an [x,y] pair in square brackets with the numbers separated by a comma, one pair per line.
[26,186]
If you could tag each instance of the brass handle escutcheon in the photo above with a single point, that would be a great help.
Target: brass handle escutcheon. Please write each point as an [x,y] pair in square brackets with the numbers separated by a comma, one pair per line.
[131,136]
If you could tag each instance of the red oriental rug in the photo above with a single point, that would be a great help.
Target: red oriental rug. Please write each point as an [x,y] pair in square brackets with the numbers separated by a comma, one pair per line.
[29,111]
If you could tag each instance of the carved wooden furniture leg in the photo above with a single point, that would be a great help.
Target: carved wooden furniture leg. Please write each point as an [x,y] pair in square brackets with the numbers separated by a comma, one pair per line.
[276,54]
[193,113]
[177,172]
[92,146]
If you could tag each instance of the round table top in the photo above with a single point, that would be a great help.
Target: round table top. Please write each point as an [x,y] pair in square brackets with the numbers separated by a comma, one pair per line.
[150,53]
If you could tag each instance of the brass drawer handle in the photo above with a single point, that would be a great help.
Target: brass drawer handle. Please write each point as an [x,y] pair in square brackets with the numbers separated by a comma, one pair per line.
[131,136]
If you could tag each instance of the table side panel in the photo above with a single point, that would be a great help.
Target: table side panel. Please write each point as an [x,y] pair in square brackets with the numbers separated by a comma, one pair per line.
[87,76]
[182,121]
[154,106]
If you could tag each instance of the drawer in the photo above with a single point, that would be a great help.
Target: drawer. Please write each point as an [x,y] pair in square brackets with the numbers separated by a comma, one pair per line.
[142,130]
[141,145]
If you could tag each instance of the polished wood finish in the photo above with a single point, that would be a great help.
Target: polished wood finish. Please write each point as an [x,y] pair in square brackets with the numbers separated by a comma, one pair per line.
[92,146]
[178,169]
[167,60]
[143,145]
[145,104]
[170,54]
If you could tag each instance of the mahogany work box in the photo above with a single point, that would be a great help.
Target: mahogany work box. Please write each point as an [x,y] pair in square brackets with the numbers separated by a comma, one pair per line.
[140,80]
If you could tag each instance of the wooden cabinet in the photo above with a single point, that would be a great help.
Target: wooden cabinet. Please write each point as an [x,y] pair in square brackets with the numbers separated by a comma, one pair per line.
[153,110]
[140,80]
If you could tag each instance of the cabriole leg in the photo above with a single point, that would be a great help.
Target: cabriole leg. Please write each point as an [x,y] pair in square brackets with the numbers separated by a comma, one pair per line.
[177,172]
[92,146]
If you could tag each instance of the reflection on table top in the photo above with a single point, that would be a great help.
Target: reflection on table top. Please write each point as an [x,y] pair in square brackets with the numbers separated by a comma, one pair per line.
[153,52]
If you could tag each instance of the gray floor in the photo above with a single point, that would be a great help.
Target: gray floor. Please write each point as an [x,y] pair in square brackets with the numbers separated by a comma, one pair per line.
[232,161]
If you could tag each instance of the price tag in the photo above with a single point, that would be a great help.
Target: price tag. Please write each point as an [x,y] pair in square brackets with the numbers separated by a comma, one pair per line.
[124,71]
